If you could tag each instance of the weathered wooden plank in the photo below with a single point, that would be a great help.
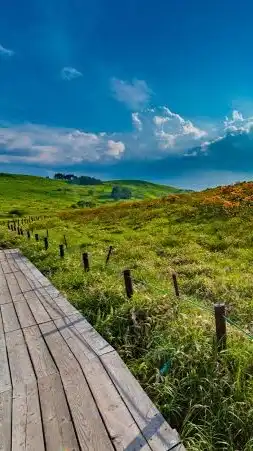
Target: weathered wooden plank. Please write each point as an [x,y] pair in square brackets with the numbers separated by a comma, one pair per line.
[10,319]
[26,420]
[96,342]
[12,284]
[6,267]
[88,423]
[61,301]
[23,282]
[155,429]
[5,420]
[36,273]
[38,311]
[5,379]
[5,295]
[58,428]
[24,314]
[120,424]
[24,269]
[42,361]
[49,304]
[19,360]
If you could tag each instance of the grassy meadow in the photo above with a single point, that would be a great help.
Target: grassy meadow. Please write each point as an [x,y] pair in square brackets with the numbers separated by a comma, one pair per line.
[168,343]
[33,195]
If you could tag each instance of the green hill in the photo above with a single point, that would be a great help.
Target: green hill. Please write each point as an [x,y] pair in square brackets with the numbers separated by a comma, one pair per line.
[31,195]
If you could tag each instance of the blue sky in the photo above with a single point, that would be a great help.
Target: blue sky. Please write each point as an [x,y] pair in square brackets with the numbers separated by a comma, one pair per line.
[127,89]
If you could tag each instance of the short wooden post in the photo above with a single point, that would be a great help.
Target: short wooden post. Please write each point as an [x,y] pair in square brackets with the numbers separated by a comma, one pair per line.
[86,263]
[174,278]
[108,255]
[61,248]
[128,283]
[47,234]
[46,243]
[36,237]
[65,240]
[28,234]
[220,322]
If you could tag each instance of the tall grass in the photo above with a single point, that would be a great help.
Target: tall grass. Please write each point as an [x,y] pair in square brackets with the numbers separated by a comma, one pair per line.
[168,343]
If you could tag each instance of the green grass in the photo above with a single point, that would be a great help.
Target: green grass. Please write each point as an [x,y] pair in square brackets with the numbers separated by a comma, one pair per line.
[31,194]
[207,396]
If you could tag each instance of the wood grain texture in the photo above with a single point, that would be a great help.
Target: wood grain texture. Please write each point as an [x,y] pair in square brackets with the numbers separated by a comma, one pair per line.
[12,284]
[155,429]
[27,432]
[20,365]
[90,429]
[5,420]
[49,304]
[23,282]
[24,314]
[120,424]
[42,361]
[96,342]
[10,319]
[5,296]
[61,301]
[58,427]
[37,309]
[5,379]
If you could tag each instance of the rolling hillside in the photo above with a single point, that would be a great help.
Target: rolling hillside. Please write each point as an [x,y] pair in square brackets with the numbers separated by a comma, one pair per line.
[31,195]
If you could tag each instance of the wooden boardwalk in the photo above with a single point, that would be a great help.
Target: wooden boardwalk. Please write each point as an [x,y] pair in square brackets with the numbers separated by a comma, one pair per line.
[62,386]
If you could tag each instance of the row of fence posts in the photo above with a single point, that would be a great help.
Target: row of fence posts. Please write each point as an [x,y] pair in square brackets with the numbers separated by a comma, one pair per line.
[219,309]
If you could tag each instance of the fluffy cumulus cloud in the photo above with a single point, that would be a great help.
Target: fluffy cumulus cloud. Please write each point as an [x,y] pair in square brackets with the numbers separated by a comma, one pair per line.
[135,95]
[70,73]
[5,52]
[42,145]
[158,134]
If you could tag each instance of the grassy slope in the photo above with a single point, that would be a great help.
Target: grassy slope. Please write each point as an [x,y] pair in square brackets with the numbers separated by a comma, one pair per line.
[207,238]
[37,194]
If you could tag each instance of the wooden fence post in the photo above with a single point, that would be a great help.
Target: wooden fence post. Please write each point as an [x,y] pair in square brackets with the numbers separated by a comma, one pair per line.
[86,263]
[36,236]
[174,278]
[47,234]
[46,243]
[108,255]
[128,283]
[28,234]
[220,323]
[61,248]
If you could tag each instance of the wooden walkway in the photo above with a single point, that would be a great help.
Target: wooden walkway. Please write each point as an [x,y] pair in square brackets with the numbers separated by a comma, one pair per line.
[62,386]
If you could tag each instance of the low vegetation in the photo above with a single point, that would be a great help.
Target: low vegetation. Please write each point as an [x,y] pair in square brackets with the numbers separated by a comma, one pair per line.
[168,343]
[24,195]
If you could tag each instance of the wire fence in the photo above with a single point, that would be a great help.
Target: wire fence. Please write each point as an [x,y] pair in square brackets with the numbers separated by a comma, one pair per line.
[220,318]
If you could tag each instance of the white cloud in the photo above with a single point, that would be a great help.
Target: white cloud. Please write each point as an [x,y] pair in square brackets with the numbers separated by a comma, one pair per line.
[40,144]
[115,148]
[238,123]
[69,73]
[6,52]
[135,94]
[157,133]
[136,121]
